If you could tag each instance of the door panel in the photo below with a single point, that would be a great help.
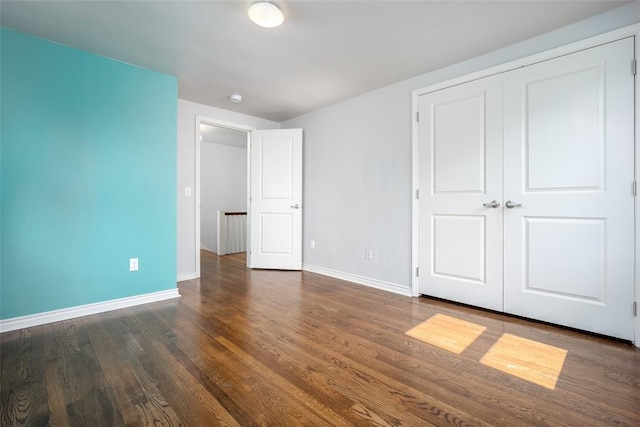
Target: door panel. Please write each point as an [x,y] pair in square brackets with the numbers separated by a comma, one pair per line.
[568,160]
[460,169]
[459,247]
[576,119]
[276,169]
[276,199]
[276,233]
[577,247]
[459,151]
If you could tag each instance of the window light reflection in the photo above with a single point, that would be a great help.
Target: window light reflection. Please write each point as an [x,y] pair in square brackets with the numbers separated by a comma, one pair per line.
[526,359]
[447,332]
[530,360]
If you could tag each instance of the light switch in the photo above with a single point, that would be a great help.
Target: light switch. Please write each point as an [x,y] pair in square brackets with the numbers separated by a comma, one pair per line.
[187,191]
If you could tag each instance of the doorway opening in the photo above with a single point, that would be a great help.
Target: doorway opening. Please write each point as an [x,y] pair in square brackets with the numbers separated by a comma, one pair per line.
[222,183]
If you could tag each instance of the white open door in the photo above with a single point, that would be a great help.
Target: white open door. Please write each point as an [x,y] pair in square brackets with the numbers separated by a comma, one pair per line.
[275,203]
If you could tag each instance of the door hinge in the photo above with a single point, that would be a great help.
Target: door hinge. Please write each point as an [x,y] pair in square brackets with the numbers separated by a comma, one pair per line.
[417,116]
[634,67]
[417,271]
[635,309]
[418,194]
[634,187]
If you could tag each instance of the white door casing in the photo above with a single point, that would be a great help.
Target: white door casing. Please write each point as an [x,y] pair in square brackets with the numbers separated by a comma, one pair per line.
[460,170]
[569,161]
[275,203]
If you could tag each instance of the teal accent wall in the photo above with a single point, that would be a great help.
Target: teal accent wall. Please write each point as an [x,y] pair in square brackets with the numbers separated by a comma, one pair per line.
[88,178]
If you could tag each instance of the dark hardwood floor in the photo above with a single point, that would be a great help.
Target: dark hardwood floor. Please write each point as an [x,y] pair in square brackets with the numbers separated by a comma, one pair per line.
[277,348]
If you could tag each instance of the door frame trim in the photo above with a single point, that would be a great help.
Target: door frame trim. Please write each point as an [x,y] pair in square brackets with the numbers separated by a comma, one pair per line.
[608,37]
[229,125]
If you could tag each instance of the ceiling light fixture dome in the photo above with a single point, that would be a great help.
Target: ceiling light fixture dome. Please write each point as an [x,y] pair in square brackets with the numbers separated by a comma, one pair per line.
[235,97]
[266,14]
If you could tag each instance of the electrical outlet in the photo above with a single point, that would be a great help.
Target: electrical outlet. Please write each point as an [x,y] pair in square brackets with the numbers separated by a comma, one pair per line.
[133,264]
[368,255]
[313,244]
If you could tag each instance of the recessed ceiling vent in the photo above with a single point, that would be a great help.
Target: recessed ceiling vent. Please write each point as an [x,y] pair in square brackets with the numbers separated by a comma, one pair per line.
[235,97]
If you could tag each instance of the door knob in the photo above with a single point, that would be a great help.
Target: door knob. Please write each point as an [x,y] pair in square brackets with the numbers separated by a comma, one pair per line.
[296,206]
[510,205]
[492,204]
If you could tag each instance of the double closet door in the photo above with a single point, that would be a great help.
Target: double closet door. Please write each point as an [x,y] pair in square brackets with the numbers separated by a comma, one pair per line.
[526,182]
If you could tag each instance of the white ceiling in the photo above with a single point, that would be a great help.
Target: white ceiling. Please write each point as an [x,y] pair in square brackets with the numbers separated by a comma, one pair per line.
[326,51]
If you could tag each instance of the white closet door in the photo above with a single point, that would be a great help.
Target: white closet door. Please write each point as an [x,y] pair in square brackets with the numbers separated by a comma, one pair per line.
[568,160]
[460,169]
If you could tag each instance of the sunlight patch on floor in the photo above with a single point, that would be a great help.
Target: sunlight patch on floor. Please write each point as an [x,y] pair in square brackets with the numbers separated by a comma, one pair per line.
[530,360]
[526,359]
[447,332]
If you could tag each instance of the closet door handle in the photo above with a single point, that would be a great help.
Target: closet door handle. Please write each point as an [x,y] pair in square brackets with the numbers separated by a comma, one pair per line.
[492,204]
[510,205]
[296,206]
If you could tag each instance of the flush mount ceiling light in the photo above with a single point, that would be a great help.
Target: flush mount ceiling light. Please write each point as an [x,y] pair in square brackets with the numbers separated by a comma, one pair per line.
[235,97]
[266,14]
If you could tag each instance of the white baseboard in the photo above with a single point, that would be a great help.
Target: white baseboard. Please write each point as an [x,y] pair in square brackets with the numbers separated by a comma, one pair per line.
[373,283]
[189,276]
[205,248]
[22,322]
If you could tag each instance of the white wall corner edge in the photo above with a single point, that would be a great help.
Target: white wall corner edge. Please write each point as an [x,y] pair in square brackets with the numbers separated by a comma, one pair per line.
[31,320]
[361,280]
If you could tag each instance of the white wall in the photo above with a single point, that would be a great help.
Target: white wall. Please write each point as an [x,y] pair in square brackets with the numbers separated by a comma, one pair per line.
[186,213]
[357,191]
[223,181]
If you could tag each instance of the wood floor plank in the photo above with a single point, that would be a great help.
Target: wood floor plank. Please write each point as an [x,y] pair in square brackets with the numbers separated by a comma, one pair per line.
[151,405]
[268,403]
[326,413]
[15,397]
[445,373]
[182,390]
[123,388]
[257,347]
[55,390]
[304,370]
[561,407]
[296,367]
[199,365]
[245,383]
[78,376]
[317,335]
[362,384]
[254,327]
